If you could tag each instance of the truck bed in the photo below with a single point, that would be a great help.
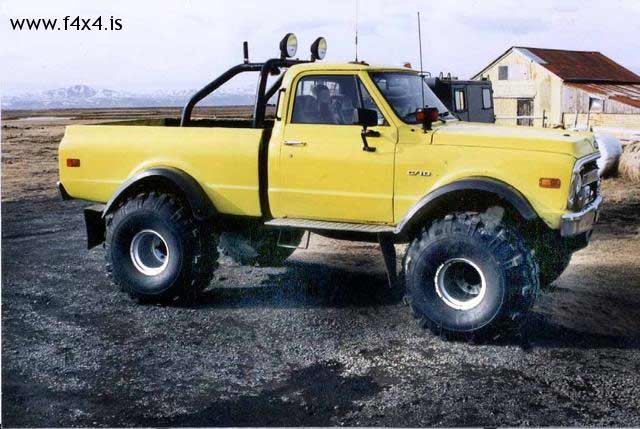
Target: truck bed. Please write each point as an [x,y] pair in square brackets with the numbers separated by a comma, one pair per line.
[222,158]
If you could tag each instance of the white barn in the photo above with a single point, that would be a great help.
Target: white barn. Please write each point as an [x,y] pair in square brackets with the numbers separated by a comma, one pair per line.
[555,88]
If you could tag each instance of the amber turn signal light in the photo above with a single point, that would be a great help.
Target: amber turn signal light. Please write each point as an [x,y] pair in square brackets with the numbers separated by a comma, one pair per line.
[73,162]
[547,182]
[430,113]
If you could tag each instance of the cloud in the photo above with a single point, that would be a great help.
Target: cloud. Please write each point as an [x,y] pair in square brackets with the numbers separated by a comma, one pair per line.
[178,45]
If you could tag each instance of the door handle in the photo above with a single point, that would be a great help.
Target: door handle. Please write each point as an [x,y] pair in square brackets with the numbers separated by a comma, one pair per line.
[294,143]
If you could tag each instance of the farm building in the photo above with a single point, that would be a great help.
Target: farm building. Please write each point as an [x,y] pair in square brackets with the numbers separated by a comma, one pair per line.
[551,87]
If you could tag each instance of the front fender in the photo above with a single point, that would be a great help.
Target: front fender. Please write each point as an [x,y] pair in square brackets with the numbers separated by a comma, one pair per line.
[481,184]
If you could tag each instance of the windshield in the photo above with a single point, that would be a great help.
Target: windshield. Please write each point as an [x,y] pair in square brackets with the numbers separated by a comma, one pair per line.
[402,91]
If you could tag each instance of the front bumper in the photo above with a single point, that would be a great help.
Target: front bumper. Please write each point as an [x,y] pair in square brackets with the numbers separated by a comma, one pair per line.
[573,224]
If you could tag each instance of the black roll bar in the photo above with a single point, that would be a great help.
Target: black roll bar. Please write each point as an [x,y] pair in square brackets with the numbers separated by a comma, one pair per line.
[262,93]
[273,88]
[212,86]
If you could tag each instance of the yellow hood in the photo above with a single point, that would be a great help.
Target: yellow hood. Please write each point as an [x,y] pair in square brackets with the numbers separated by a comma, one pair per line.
[572,143]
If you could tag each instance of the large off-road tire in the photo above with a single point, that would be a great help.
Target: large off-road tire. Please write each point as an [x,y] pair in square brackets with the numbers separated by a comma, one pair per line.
[156,251]
[258,245]
[467,278]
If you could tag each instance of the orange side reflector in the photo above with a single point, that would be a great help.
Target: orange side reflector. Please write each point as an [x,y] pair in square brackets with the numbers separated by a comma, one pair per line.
[546,182]
[73,162]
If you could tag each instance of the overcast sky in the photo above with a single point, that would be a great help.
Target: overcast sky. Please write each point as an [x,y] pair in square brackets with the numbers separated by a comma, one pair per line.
[183,44]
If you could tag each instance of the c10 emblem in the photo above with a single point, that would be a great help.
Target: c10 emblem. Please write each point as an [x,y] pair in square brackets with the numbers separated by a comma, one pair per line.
[419,173]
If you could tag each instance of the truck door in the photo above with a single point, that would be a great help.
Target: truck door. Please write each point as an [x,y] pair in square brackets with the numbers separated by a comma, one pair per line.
[323,172]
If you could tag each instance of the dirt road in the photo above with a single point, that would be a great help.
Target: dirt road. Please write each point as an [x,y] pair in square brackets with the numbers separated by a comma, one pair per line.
[316,342]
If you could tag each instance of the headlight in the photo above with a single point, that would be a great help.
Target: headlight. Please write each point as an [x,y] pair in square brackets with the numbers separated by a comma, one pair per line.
[584,196]
[576,186]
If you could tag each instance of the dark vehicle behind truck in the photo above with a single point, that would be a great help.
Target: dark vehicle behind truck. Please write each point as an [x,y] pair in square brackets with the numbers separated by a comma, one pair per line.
[469,100]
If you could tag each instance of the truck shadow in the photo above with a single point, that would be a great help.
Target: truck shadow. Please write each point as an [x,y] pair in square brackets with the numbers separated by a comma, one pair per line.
[304,284]
[541,331]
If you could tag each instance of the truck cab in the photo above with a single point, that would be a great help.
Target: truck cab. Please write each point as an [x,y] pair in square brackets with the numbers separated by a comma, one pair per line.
[354,151]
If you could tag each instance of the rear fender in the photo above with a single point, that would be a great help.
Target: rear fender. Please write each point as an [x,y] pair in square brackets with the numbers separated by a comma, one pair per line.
[163,177]
[200,204]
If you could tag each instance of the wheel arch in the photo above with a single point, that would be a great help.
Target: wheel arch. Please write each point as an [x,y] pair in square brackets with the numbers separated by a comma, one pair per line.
[165,178]
[171,179]
[456,194]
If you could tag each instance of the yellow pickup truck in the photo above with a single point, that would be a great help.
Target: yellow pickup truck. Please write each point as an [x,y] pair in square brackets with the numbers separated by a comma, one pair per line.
[353,151]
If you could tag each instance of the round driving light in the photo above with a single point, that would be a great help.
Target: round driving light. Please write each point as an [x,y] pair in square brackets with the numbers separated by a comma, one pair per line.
[288,45]
[319,48]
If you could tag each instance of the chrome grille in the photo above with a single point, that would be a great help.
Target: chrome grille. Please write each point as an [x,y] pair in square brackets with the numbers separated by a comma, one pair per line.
[586,172]
[590,181]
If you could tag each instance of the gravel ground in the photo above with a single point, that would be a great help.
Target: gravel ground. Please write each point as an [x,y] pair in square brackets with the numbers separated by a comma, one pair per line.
[319,341]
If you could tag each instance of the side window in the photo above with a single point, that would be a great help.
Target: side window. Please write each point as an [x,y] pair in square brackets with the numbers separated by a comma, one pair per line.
[460,101]
[486,98]
[368,103]
[325,100]
[503,72]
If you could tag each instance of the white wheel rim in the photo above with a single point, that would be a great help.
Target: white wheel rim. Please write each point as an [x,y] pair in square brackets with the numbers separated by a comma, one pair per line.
[149,252]
[460,283]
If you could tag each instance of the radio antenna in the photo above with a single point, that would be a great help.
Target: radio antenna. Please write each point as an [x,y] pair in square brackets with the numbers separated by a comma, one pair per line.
[421,68]
[356,31]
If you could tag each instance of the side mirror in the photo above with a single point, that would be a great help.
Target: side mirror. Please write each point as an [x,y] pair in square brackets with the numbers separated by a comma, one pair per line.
[367,118]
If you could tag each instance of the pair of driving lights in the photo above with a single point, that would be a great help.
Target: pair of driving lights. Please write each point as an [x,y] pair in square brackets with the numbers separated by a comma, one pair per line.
[289,47]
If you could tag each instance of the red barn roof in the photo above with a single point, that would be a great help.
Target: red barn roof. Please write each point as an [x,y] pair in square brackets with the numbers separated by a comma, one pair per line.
[575,66]
[628,94]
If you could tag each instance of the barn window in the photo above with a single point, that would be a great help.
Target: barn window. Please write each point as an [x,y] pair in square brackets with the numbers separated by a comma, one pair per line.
[503,72]
[461,102]
[596,105]
[486,98]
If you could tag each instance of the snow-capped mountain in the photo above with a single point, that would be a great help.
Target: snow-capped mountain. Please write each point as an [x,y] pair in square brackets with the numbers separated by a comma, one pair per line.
[83,96]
